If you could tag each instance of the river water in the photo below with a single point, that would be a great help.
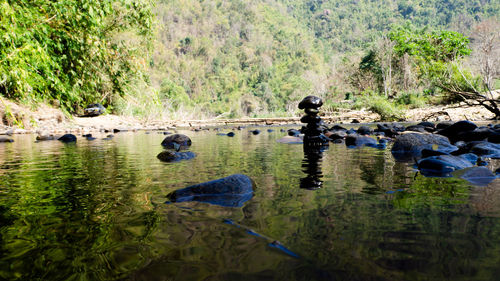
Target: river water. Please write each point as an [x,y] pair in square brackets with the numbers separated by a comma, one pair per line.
[98,210]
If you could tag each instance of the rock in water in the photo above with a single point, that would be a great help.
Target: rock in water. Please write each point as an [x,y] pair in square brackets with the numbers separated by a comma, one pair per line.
[255,132]
[68,138]
[442,165]
[4,139]
[485,149]
[480,176]
[411,145]
[355,140]
[176,140]
[231,191]
[171,156]
[453,131]
[290,140]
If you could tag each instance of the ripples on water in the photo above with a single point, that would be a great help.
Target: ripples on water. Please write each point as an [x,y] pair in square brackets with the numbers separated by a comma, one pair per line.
[96,211]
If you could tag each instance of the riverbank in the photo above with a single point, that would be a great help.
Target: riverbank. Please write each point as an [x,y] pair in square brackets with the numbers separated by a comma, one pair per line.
[19,119]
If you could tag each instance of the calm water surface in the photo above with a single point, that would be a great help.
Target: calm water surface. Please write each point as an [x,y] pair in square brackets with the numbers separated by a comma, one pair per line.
[96,211]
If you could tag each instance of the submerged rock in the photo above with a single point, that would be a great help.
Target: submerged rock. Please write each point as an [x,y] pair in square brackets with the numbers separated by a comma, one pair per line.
[480,176]
[230,134]
[173,156]
[231,191]
[290,140]
[442,165]
[176,141]
[45,137]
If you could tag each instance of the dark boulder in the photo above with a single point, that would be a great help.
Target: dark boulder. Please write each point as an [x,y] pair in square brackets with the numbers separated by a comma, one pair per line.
[453,131]
[364,130]
[176,141]
[443,125]
[494,138]
[173,156]
[4,139]
[478,134]
[429,152]
[338,128]
[335,135]
[485,149]
[310,119]
[67,138]
[230,134]
[388,131]
[410,145]
[311,102]
[442,165]
[231,191]
[416,128]
[94,109]
[355,140]
[293,132]
[427,124]
[351,131]
[255,132]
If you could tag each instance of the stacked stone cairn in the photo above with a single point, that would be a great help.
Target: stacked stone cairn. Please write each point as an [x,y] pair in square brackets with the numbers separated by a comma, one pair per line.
[313,133]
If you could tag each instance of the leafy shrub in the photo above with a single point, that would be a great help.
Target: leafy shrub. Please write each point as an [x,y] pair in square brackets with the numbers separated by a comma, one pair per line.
[412,99]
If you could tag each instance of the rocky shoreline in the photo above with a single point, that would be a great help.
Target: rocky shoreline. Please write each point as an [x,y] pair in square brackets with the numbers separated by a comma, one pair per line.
[46,120]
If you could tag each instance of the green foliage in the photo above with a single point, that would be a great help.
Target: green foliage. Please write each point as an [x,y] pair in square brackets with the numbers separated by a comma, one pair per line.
[434,46]
[72,51]
[387,110]
[235,58]
[412,99]
[222,58]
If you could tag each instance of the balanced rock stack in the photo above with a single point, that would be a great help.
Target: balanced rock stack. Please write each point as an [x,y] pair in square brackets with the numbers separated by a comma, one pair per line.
[313,134]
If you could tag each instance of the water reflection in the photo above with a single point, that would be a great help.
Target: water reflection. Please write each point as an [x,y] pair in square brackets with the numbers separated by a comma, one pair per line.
[94,211]
[313,156]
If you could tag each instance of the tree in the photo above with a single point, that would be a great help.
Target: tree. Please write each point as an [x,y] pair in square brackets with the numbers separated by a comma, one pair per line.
[73,51]
[385,53]
[486,36]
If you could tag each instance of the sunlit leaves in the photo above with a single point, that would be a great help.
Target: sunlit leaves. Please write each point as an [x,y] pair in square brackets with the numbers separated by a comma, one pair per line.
[67,49]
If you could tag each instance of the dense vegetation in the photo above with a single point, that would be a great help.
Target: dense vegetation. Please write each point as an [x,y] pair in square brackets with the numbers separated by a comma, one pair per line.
[72,51]
[242,58]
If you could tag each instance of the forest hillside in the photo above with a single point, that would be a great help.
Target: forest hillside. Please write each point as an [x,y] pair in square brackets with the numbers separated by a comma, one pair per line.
[232,58]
